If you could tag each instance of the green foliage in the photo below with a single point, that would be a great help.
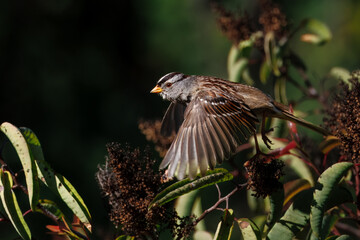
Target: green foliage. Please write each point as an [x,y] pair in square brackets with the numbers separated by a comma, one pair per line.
[249,230]
[323,193]
[182,187]
[36,169]
[225,226]
[19,143]
[9,201]
[319,33]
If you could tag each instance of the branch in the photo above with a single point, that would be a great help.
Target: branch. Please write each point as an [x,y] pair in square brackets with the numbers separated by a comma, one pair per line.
[215,206]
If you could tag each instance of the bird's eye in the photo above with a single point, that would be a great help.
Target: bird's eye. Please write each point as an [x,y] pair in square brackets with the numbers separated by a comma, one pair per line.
[168,84]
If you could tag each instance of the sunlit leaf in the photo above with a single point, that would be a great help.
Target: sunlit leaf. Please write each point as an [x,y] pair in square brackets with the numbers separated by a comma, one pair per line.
[18,141]
[329,144]
[340,73]
[56,182]
[318,34]
[249,230]
[11,205]
[124,237]
[182,187]
[238,59]
[49,207]
[202,235]
[225,227]
[238,69]
[324,187]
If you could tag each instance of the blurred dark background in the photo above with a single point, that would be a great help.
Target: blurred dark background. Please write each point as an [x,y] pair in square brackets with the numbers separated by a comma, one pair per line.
[79,73]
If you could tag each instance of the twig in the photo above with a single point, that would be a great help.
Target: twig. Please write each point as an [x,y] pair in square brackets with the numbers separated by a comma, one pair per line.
[215,206]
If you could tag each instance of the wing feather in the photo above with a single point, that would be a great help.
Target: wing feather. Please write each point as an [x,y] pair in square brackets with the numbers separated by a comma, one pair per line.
[208,134]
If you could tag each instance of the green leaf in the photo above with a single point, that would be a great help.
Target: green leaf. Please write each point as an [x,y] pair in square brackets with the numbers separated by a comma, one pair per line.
[49,207]
[182,187]
[56,182]
[11,205]
[124,237]
[329,144]
[22,149]
[272,52]
[340,73]
[238,69]
[265,71]
[249,230]
[324,187]
[276,206]
[238,59]
[202,235]
[319,33]
[295,218]
[292,188]
[225,227]
[300,168]
[327,224]
[189,204]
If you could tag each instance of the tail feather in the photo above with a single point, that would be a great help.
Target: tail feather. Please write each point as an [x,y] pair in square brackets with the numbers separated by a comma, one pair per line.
[290,117]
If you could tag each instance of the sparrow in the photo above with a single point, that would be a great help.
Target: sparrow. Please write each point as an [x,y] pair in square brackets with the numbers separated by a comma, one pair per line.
[211,118]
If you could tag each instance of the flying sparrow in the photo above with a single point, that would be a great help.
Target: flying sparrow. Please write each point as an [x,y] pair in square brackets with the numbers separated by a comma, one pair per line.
[212,117]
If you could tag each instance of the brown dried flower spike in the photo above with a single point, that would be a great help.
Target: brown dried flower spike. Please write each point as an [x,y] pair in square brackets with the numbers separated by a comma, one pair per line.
[344,118]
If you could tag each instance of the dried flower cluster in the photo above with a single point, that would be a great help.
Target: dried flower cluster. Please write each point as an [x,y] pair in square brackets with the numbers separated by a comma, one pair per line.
[129,182]
[239,28]
[235,28]
[264,173]
[151,130]
[344,118]
[272,19]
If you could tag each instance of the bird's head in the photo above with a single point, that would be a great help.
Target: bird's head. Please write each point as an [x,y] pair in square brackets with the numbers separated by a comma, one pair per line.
[176,87]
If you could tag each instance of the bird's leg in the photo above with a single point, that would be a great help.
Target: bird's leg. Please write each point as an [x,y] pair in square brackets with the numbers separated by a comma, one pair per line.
[265,139]
[256,144]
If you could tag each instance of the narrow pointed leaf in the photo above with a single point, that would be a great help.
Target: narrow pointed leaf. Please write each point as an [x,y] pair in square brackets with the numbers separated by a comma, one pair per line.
[325,186]
[124,237]
[11,205]
[318,34]
[329,144]
[294,187]
[49,207]
[249,230]
[22,149]
[265,72]
[226,225]
[342,237]
[327,224]
[237,70]
[294,219]
[56,182]
[276,206]
[182,187]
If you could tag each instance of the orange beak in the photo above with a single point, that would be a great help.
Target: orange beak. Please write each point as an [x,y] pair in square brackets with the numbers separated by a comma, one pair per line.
[156,89]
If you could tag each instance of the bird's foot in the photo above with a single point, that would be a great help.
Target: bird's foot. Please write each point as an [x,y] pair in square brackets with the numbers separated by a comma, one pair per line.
[265,139]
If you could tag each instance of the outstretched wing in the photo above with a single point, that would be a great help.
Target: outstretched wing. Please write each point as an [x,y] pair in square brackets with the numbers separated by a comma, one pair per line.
[172,119]
[209,134]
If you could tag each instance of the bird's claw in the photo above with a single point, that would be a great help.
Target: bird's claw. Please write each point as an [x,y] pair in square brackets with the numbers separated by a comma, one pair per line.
[265,139]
